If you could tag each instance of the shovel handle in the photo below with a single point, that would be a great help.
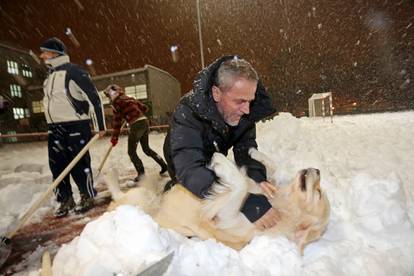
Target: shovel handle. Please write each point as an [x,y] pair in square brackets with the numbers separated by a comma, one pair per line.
[46,264]
[107,154]
[55,183]
[104,160]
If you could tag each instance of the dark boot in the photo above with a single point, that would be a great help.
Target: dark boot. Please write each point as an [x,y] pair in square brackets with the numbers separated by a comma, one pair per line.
[65,207]
[86,203]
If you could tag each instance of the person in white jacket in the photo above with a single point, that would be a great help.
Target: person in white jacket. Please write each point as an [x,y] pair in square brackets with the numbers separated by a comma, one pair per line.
[71,102]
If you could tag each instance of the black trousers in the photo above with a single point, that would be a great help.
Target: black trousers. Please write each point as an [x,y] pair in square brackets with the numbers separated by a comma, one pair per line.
[65,141]
[139,134]
[255,207]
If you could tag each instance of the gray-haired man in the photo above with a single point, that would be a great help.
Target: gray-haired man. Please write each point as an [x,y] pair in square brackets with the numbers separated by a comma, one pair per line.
[218,114]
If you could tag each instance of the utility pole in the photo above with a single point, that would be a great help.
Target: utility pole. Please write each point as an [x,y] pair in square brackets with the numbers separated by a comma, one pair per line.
[199,34]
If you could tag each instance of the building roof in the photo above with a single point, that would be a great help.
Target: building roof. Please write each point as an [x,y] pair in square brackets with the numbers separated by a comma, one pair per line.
[132,71]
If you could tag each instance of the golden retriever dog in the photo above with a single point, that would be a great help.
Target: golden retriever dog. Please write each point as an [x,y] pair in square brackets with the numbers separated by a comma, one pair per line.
[302,205]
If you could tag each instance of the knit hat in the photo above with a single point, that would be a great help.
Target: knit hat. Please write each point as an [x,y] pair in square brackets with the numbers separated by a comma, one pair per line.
[54,45]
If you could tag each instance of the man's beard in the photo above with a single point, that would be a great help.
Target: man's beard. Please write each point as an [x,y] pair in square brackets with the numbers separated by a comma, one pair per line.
[232,122]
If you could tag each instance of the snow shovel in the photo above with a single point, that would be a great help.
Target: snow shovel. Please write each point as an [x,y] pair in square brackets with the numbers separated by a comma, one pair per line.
[158,268]
[107,154]
[46,264]
[5,241]
[103,161]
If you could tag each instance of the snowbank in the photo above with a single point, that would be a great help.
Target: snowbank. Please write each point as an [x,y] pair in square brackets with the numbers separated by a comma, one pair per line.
[366,164]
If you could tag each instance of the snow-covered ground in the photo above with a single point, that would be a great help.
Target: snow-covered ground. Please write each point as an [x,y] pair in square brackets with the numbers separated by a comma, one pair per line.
[366,163]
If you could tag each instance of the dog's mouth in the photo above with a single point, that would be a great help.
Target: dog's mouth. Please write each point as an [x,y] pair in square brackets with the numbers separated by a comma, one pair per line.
[308,178]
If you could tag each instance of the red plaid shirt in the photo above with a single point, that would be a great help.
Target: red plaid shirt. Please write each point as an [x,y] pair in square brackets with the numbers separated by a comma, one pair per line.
[127,108]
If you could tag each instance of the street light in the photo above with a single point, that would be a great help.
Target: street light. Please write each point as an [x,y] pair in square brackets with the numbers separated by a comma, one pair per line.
[199,34]
[174,53]
[92,70]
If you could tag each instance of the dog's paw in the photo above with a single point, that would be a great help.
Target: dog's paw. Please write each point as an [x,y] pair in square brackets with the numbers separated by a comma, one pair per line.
[260,156]
[222,166]
[267,162]
[217,160]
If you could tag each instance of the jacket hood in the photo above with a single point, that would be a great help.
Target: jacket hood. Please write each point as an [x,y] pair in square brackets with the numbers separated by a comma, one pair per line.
[201,101]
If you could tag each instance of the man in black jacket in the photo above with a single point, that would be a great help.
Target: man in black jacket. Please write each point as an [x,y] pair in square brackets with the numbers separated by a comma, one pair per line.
[220,113]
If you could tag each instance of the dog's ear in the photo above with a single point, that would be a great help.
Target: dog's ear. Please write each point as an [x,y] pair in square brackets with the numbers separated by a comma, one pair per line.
[302,182]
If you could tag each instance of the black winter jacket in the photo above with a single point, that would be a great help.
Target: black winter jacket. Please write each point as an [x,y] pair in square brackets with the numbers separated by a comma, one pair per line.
[197,130]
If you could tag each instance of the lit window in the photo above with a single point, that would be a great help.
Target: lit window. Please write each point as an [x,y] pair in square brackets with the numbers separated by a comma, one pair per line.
[137,91]
[26,71]
[15,90]
[18,113]
[12,67]
[37,107]
[11,139]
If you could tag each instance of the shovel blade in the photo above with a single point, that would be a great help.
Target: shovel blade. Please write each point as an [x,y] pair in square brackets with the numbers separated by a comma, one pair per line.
[158,268]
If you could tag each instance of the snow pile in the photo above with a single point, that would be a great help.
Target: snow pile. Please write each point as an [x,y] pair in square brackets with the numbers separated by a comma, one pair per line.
[127,240]
[366,164]
[123,241]
[370,232]
[20,187]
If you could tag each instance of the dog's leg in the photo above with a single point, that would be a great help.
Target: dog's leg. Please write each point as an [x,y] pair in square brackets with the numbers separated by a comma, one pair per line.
[224,169]
[228,194]
[307,234]
[266,161]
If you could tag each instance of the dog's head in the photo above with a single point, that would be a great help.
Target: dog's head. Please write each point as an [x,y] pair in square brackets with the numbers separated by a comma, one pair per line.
[313,201]
[308,207]
[307,188]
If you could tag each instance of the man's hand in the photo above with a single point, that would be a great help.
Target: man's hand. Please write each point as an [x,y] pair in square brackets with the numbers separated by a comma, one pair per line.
[268,220]
[114,141]
[268,189]
[102,133]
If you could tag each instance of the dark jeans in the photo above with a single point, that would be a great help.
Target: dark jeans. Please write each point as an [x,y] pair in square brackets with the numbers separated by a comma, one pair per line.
[255,207]
[65,141]
[139,134]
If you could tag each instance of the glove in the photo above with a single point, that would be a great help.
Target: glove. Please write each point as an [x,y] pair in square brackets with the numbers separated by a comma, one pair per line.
[114,141]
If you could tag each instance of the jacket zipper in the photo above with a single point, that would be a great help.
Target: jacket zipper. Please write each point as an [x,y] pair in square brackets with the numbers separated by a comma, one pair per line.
[48,97]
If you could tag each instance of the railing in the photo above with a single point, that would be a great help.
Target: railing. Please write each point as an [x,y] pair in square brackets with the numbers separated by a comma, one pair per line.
[41,134]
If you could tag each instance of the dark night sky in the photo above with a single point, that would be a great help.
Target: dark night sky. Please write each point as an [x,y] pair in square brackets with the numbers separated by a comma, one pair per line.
[361,50]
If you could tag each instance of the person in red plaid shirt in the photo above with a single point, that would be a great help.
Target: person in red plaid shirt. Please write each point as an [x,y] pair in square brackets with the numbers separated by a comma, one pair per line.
[132,110]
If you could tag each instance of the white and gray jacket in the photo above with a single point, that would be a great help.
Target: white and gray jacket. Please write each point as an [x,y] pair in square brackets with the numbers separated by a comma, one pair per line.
[70,95]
